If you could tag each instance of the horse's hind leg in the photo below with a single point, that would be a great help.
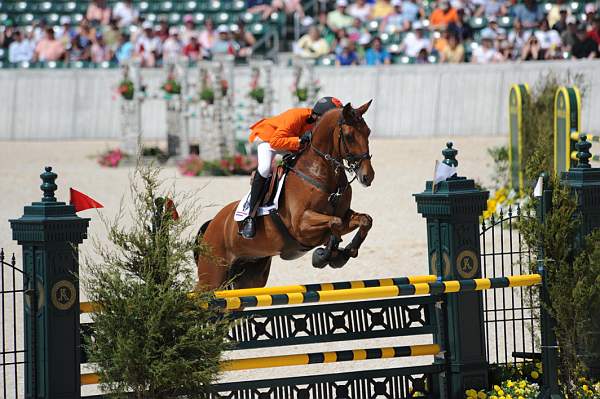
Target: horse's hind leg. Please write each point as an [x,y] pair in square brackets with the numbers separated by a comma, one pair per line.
[250,273]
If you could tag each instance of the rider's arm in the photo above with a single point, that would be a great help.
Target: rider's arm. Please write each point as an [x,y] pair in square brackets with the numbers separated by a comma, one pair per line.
[286,136]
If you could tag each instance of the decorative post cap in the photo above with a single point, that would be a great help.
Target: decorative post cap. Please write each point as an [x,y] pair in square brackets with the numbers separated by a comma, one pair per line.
[583,152]
[449,154]
[48,186]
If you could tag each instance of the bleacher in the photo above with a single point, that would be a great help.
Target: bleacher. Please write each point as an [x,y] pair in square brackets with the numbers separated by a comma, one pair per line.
[24,13]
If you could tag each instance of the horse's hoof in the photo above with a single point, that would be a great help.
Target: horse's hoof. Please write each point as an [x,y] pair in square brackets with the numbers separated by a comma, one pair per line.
[340,260]
[320,257]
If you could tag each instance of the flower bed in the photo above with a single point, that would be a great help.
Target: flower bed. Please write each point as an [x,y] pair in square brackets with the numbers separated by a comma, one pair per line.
[237,165]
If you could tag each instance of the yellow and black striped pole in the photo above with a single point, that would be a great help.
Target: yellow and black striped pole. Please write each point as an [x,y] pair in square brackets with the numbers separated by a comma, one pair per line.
[339,285]
[312,358]
[435,288]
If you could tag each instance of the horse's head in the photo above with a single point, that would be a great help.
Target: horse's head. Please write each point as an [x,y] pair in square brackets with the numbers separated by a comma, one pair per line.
[353,142]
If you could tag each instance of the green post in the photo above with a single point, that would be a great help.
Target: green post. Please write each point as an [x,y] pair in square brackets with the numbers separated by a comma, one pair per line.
[516,100]
[567,120]
[49,232]
[452,214]
[584,182]
[549,388]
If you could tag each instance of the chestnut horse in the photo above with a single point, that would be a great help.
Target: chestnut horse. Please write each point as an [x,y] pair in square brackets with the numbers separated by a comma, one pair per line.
[314,209]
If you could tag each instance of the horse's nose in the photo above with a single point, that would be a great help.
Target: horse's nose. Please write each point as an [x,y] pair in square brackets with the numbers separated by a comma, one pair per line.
[366,180]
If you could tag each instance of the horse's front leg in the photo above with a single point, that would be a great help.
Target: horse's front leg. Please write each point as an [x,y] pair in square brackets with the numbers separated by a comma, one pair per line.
[352,221]
[316,224]
[363,222]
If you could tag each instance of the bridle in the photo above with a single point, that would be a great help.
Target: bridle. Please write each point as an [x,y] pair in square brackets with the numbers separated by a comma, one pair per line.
[353,160]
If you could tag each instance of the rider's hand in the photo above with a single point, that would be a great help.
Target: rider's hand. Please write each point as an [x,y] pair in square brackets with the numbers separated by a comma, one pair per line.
[305,139]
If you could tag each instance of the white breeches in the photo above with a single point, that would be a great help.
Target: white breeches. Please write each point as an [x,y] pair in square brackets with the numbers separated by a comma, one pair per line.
[265,157]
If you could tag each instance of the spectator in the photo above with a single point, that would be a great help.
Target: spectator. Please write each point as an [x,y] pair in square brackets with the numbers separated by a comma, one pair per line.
[561,25]
[125,13]
[348,55]
[192,50]
[125,49]
[147,46]
[485,53]
[590,14]
[594,33]
[65,33]
[85,33]
[376,54]
[422,57]
[411,11]
[358,33]
[172,47]
[585,46]
[549,40]
[208,35]
[441,42]
[415,41]
[529,13]
[39,30]
[556,9]
[396,22]
[443,15]
[244,38]
[454,52]
[223,44]
[111,36]
[189,29]
[49,49]
[290,7]
[518,37]
[493,30]
[338,18]
[569,36]
[341,39]
[461,27]
[20,49]
[360,9]
[7,35]
[490,8]
[262,7]
[98,13]
[382,9]
[311,45]
[99,52]
[77,51]
[162,30]
[507,50]
[532,50]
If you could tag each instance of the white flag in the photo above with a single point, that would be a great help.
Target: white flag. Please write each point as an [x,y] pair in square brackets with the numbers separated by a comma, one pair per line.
[442,172]
[539,187]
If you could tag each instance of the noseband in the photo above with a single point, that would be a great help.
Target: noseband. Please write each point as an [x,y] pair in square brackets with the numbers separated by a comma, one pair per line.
[353,160]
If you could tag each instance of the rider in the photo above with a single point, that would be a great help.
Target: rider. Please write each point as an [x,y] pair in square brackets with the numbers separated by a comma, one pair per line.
[286,132]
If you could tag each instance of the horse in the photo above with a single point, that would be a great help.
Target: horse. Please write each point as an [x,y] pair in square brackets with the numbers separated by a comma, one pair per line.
[314,209]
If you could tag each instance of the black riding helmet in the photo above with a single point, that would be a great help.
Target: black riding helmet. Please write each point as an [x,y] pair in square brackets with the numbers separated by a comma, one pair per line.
[325,104]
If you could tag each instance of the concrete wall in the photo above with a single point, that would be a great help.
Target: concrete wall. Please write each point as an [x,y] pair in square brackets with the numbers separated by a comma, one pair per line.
[430,100]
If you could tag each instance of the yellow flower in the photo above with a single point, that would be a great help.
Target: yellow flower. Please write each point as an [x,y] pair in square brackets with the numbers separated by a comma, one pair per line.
[487,214]
[496,388]
[501,392]
[522,384]
[502,199]
[481,395]
[538,365]
[471,393]
[534,374]
[585,388]
[509,383]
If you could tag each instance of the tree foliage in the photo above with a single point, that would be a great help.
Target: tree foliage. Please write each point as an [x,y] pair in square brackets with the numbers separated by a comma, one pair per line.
[150,336]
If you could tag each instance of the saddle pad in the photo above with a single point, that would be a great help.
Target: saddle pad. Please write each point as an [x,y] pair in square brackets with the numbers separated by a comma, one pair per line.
[243,207]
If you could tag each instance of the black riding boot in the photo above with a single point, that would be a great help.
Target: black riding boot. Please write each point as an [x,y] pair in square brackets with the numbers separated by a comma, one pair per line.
[249,225]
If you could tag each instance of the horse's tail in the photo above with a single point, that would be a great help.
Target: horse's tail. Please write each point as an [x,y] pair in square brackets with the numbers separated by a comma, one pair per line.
[199,237]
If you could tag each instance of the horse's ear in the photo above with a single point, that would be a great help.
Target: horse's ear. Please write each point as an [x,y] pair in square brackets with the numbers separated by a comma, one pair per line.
[348,112]
[363,108]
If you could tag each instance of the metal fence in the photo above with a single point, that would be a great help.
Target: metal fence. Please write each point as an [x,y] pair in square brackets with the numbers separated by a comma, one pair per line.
[12,352]
[511,316]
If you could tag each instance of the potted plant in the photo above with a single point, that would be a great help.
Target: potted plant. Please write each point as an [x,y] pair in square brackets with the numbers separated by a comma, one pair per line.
[126,89]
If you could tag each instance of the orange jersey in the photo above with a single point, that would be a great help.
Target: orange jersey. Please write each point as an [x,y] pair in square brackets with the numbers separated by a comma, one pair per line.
[284,130]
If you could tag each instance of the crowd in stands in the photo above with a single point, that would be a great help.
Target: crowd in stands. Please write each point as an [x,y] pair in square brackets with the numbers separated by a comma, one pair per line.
[120,33]
[370,32]
[452,31]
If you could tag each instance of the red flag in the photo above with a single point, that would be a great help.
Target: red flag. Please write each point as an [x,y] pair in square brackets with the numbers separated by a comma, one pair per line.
[170,206]
[82,201]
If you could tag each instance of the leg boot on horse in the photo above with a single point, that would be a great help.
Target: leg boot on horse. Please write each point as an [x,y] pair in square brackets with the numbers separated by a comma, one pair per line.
[314,205]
